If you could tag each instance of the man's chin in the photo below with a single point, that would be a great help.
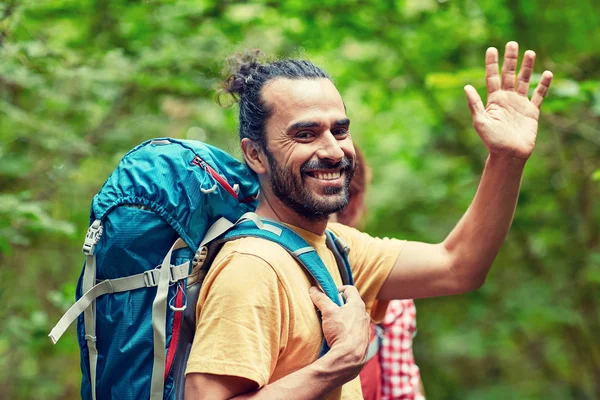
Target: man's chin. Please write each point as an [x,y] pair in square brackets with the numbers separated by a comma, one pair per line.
[328,205]
[317,209]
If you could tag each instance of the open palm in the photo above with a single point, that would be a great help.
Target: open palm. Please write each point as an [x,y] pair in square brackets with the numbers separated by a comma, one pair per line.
[508,123]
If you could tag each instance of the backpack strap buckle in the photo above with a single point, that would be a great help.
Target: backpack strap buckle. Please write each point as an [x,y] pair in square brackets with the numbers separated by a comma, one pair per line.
[91,338]
[149,278]
[91,238]
[179,272]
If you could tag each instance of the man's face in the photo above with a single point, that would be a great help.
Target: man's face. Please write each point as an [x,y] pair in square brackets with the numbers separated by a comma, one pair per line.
[309,149]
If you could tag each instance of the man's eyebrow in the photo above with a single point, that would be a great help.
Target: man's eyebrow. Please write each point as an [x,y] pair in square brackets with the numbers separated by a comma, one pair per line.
[315,124]
[303,124]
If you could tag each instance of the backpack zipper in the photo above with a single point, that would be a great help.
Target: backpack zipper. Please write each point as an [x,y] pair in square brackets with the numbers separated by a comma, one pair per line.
[203,164]
[222,181]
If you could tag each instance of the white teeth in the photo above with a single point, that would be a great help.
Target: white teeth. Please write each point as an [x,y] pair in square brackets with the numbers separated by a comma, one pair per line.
[327,176]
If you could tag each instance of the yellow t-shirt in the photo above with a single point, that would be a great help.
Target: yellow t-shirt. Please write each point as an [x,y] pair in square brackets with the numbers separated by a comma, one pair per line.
[255,318]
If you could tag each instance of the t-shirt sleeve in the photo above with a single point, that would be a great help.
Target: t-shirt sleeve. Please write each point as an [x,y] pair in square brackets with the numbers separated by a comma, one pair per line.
[371,260]
[242,320]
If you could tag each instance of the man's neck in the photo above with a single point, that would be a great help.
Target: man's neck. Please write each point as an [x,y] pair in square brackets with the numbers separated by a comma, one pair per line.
[274,209]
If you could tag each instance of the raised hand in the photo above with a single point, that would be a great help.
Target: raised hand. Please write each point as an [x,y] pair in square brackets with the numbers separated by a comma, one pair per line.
[508,123]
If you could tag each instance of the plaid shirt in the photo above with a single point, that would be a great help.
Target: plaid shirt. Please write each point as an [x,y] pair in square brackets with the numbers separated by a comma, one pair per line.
[399,373]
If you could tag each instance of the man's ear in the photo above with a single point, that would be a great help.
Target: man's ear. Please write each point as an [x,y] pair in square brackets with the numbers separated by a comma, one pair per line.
[254,156]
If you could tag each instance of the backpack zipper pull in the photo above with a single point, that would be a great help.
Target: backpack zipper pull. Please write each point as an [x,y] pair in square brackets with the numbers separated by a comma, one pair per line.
[184,306]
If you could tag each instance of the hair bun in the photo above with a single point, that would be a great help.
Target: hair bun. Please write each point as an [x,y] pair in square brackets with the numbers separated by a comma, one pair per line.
[239,70]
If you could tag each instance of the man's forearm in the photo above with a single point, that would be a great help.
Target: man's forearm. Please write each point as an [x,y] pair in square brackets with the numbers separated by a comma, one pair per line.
[315,381]
[475,241]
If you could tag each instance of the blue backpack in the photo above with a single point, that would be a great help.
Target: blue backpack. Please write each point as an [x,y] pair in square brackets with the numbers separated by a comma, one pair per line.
[155,227]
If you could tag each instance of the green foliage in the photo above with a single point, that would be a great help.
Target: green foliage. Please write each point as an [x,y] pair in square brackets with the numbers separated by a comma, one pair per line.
[81,82]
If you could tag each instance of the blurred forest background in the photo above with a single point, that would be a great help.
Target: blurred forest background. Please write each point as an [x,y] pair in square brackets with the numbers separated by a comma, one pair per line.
[83,81]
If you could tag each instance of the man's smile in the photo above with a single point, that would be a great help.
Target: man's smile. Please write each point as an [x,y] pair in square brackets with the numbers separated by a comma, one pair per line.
[325,175]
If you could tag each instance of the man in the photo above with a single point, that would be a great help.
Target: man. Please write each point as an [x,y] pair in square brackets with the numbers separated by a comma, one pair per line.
[258,335]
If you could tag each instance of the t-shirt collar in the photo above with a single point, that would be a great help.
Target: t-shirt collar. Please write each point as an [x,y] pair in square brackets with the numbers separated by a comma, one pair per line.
[312,238]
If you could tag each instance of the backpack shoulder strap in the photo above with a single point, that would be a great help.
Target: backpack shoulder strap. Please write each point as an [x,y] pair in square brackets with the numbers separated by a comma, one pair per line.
[298,248]
[340,251]
[250,225]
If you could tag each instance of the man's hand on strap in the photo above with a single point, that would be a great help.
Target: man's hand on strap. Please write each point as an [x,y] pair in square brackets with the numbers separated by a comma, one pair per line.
[345,328]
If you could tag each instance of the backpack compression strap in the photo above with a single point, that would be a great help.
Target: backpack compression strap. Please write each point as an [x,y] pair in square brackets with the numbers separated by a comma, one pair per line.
[159,277]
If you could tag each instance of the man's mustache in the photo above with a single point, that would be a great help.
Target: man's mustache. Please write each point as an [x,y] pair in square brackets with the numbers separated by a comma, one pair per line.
[345,164]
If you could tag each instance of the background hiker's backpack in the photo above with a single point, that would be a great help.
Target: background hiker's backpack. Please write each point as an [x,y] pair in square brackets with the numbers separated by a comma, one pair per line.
[160,219]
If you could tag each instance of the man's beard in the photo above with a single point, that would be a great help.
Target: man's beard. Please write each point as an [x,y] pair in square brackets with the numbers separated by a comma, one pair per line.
[291,190]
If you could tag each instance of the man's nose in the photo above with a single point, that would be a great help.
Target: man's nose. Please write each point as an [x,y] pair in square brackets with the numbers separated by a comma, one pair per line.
[330,148]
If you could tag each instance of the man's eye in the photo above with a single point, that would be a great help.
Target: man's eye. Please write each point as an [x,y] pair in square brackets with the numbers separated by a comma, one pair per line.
[304,135]
[340,132]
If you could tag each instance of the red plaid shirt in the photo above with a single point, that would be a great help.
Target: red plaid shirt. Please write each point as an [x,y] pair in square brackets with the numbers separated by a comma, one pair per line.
[399,374]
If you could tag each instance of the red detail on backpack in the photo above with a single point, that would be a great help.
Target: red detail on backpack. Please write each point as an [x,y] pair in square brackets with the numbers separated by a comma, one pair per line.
[248,199]
[174,333]
[201,163]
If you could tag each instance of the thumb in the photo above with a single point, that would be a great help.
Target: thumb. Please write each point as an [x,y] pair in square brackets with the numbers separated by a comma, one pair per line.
[320,299]
[474,100]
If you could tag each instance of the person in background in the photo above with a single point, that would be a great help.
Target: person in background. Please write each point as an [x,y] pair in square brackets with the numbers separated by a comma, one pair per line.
[391,372]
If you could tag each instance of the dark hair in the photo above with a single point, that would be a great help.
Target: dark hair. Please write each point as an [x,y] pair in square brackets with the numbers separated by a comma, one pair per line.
[247,75]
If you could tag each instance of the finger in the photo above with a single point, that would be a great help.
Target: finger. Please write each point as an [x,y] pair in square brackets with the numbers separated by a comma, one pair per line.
[509,66]
[351,294]
[475,103]
[541,89]
[492,78]
[525,73]
[320,300]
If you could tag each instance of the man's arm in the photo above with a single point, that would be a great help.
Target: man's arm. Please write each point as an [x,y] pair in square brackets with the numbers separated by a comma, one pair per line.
[346,330]
[508,127]
[314,381]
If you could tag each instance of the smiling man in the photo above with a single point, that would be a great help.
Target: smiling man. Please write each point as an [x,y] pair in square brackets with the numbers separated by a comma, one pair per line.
[258,335]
